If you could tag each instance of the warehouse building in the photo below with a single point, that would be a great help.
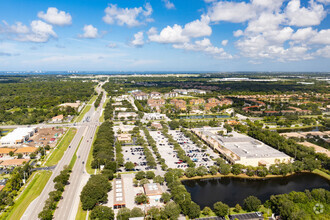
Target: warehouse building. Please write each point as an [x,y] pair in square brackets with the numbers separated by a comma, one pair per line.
[241,149]
[18,136]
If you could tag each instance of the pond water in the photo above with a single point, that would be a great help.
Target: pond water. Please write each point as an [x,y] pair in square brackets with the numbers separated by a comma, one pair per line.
[202,116]
[232,190]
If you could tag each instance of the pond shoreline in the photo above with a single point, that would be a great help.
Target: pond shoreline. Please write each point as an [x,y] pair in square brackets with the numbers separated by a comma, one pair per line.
[244,176]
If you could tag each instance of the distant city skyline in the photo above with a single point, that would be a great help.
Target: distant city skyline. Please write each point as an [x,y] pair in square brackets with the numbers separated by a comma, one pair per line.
[165,35]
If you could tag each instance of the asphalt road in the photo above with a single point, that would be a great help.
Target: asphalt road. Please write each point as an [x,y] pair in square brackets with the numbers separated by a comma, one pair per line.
[68,206]
[70,200]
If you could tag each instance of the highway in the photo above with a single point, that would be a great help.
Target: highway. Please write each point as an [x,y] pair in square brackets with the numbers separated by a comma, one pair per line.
[70,201]
[68,206]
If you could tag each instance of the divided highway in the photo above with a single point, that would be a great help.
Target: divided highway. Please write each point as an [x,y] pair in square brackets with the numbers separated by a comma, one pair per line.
[68,206]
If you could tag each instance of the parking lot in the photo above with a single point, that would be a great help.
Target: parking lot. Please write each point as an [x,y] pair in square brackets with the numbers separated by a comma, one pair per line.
[197,155]
[166,151]
[136,155]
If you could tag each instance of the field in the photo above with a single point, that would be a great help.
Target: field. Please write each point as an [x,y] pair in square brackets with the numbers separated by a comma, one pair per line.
[61,147]
[30,193]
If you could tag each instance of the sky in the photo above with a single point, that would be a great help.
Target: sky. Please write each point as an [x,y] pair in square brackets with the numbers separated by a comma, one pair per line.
[165,35]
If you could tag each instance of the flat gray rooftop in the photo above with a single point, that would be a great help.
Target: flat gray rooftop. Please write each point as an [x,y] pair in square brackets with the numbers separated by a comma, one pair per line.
[245,146]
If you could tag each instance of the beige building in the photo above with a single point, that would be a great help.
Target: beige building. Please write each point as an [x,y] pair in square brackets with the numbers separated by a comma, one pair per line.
[124,137]
[242,149]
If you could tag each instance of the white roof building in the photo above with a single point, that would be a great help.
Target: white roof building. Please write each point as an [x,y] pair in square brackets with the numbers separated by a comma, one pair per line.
[18,136]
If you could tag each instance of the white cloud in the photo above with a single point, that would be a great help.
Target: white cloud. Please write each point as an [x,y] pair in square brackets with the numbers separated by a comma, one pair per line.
[224,42]
[231,12]
[179,34]
[206,47]
[324,52]
[169,4]
[265,22]
[112,45]
[238,33]
[138,40]
[127,16]
[89,32]
[38,31]
[168,35]
[198,28]
[55,17]
[301,16]
[322,37]
[303,34]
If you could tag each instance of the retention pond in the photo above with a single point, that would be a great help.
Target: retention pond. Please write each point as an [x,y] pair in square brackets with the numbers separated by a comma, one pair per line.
[231,190]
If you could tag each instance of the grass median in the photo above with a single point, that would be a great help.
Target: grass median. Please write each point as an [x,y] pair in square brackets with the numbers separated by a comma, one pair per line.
[89,168]
[83,113]
[61,147]
[81,214]
[92,100]
[33,190]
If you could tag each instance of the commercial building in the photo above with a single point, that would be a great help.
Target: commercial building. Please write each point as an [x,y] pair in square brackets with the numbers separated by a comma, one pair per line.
[153,191]
[13,162]
[4,151]
[26,150]
[18,136]
[118,190]
[241,149]
[124,137]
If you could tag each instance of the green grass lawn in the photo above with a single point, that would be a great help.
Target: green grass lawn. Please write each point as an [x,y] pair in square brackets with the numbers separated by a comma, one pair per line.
[90,156]
[81,214]
[30,193]
[83,112]
[61,147]
[92,100]
[321,173]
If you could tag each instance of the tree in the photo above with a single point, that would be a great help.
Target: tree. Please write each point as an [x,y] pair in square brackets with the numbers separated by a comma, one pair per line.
[213,170]
[32,155]
[123,214]
[11,153]
[251,203]
[46,214]
[194,211]
[129,166]
[237,208]
[236,169]
[150,174]
[144,181]
[190,172]
[201,171]
[166,197]
[159,179]
[136,212]
[102,212]
[172,210]
[224,169]
[140,175]
[19,156]
[207,210]
[220,209]
[154,213]
[141,199]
